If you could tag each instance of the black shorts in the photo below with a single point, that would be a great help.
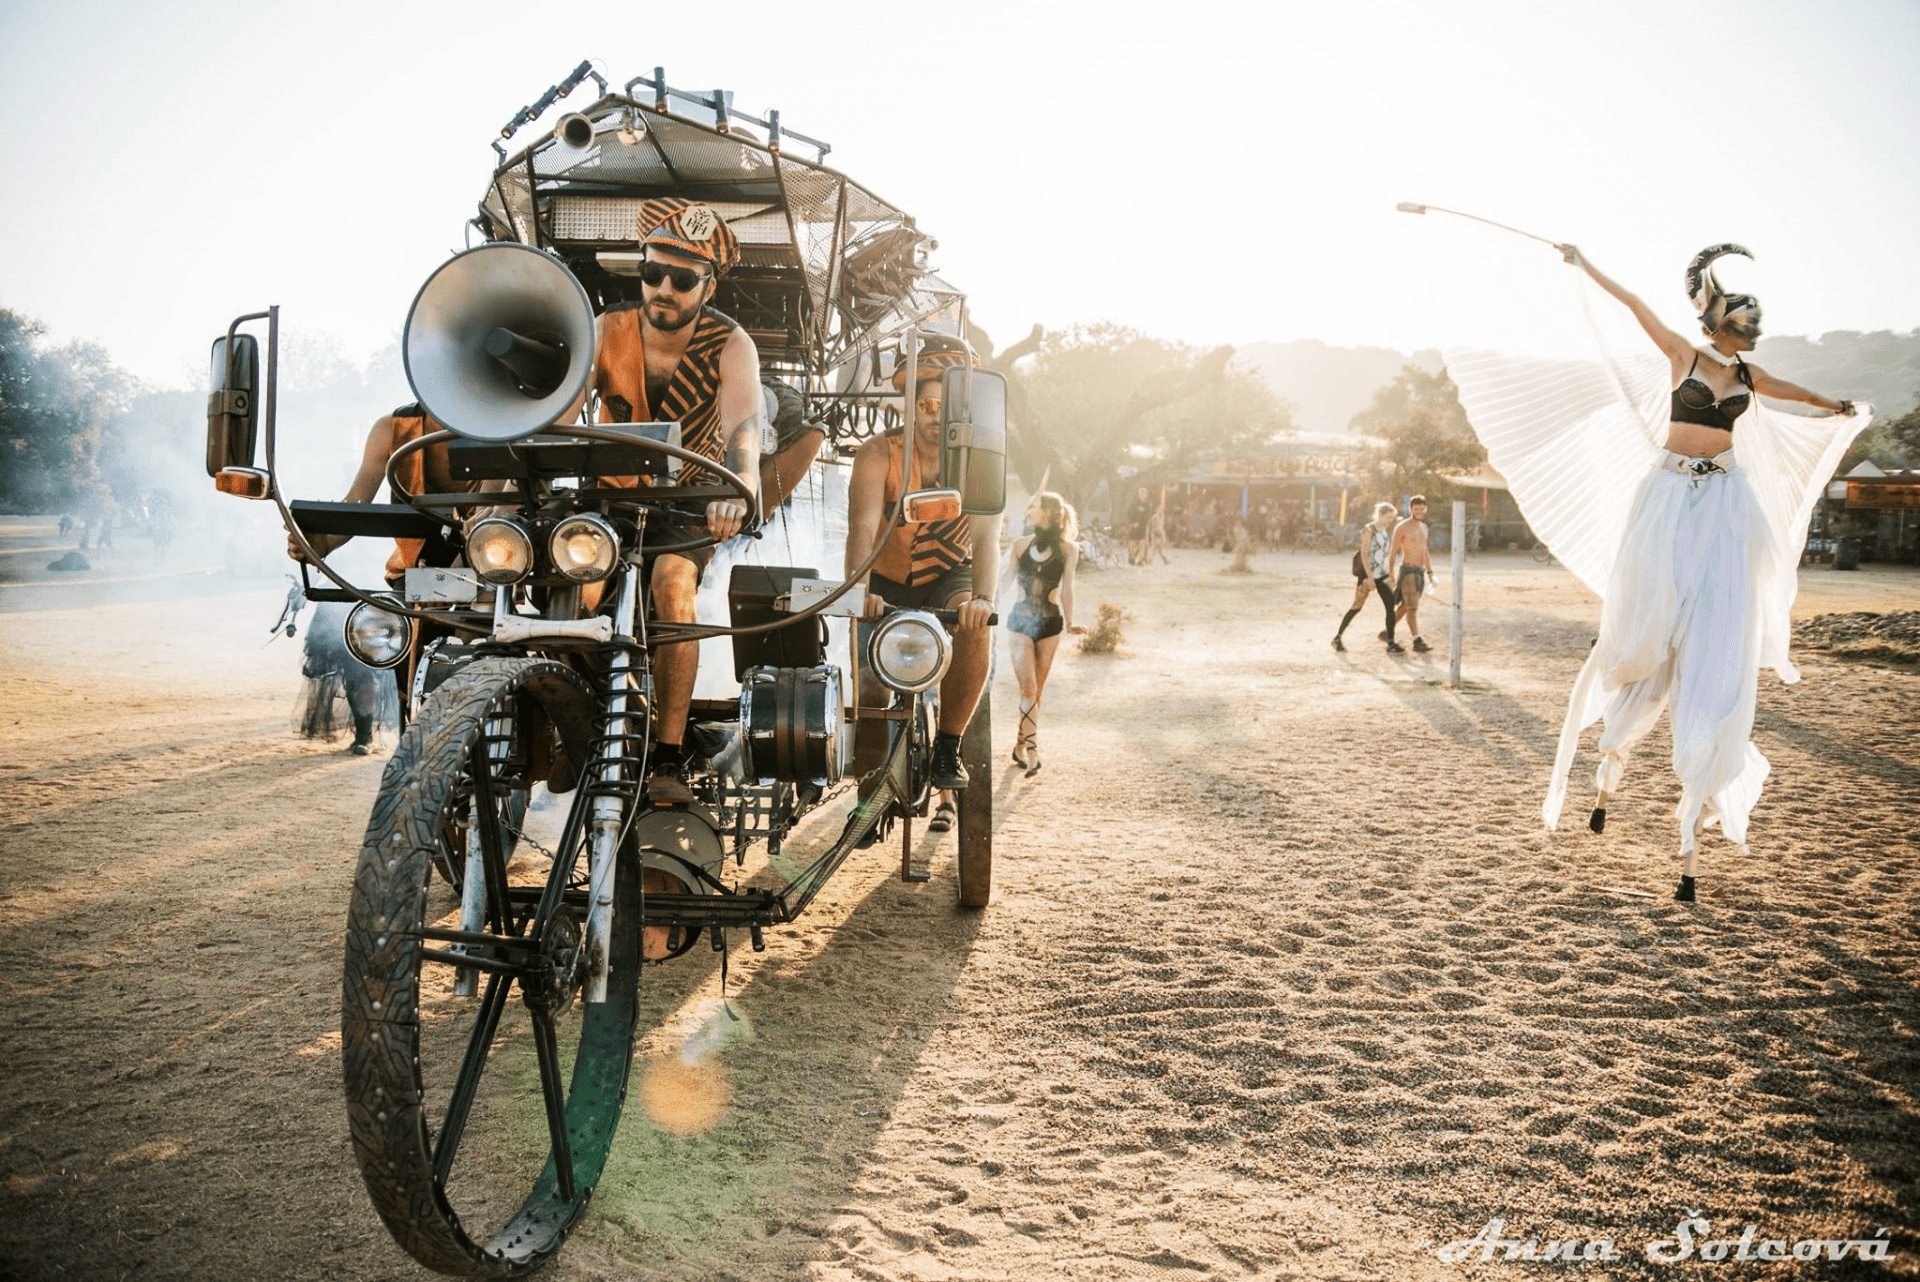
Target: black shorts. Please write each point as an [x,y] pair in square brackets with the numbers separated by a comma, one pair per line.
[678,528]
[934,594]
[1036,624]
[1359,570]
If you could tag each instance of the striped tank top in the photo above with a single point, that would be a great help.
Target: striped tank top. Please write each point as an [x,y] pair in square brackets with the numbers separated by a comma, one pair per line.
[918,554]
[692,395]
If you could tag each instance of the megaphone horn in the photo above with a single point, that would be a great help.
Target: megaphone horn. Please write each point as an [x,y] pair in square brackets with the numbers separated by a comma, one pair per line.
[499,343]
[575,131]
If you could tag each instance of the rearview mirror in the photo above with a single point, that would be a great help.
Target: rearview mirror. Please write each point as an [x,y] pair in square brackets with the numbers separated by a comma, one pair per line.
[233,411]
[923,506]
[973,455]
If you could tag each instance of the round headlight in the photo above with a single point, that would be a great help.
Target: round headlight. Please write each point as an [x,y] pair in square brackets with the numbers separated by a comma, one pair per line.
[377,637]
[584,548]
[499,550]
[909,651]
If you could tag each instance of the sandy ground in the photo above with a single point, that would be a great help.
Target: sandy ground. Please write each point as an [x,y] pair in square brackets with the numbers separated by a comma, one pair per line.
[1282,977]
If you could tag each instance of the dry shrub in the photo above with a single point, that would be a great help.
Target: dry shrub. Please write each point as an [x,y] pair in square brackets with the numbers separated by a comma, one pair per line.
[1863,634]
[1105,637]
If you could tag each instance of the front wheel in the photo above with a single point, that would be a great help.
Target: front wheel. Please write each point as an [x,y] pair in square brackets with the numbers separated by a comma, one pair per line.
[480,1124]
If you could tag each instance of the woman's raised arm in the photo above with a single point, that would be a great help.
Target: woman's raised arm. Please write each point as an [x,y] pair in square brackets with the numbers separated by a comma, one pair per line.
[1673,344]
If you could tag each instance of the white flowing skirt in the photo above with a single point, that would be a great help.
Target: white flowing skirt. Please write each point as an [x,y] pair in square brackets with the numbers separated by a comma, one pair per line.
[1681,631]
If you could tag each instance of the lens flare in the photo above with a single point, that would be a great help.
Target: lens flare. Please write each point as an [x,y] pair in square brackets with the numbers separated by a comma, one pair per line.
[688,1091]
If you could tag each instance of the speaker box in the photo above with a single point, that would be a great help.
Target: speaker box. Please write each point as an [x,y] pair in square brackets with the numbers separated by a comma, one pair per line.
[751,593]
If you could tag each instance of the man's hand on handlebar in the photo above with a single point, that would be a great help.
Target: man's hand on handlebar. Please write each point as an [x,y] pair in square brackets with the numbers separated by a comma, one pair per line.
[725,517]
[322,544]
[875,607]
[976,613]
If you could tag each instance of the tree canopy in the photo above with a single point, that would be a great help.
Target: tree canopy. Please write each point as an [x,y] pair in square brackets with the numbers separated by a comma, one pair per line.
[54,405]
[1102,400]
[1428,439]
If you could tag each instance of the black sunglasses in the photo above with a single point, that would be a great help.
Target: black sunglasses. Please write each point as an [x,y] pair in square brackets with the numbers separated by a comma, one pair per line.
[685,279]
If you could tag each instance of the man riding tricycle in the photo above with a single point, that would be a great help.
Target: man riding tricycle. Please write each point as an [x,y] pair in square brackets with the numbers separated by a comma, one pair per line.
[607,586]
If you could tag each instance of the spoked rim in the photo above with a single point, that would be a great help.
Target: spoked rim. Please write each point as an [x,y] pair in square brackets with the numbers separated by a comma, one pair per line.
[416,1142]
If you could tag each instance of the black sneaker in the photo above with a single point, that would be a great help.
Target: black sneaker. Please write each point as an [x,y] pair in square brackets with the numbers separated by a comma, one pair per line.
[1394,647]
[1338,644]
[948,773]
[360,749]
[1420,646]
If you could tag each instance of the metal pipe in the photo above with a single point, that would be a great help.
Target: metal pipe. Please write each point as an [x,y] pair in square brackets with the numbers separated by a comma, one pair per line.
[1414,207]
[910,388]
[609,806]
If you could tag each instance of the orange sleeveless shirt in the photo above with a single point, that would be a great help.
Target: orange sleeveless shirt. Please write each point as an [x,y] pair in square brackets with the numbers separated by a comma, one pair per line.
[917,554]
[410,424]
[692,395]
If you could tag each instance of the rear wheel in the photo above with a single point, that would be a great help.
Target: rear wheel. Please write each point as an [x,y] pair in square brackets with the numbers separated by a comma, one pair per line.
[976,811]
[480,1124]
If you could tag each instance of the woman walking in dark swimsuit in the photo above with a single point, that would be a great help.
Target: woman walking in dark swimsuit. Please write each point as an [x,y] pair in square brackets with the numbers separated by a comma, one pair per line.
[1042,568]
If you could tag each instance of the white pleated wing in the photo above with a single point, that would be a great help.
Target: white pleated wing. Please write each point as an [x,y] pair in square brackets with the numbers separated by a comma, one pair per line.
[1571,399]
[1560,383]
[1788,459]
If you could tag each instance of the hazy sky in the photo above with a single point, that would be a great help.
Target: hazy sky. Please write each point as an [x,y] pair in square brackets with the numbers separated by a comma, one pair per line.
[1206,172]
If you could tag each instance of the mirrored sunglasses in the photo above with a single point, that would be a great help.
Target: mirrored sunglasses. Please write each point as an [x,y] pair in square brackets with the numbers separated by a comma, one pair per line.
[685,279]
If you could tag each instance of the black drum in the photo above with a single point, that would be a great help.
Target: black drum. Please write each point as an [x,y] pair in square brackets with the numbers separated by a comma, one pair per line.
[790,724]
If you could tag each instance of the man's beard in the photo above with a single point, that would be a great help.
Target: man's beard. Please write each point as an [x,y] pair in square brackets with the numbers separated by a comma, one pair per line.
[682,318]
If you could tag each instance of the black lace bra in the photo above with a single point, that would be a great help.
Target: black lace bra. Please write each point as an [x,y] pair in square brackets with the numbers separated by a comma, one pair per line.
[1693,400]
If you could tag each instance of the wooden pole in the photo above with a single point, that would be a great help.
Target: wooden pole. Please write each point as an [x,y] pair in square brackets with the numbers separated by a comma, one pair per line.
[1453,614]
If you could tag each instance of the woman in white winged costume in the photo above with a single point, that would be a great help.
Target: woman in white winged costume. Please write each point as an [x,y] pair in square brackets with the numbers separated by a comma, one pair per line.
[1660,480]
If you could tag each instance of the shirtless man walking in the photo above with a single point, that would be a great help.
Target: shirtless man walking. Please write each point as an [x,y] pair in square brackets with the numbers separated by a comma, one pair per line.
[1413,567]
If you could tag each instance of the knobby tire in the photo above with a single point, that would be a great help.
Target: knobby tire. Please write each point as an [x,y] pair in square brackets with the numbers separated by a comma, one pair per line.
[395,1121]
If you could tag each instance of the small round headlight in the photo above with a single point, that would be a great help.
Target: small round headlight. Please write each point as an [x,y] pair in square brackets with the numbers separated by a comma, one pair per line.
[909,651]
[584,548]
[377,637]
[499,550]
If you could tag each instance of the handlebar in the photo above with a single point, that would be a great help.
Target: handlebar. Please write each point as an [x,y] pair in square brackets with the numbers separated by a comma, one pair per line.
[951,618]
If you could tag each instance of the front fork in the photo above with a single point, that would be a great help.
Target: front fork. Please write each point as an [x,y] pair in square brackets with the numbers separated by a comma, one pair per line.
[473,884]
[608,811]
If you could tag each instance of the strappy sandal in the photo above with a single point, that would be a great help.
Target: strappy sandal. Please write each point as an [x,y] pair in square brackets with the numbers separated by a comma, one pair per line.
[943,817]
[1026,748]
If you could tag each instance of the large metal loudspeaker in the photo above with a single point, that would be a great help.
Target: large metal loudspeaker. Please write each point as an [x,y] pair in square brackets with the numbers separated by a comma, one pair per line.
[499,342]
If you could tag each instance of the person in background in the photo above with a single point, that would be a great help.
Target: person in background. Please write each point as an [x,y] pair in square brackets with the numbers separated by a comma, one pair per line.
[1139,517]
[1370,573]
[1412,569]
[334,676]
[1041,567]
[1157,535]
